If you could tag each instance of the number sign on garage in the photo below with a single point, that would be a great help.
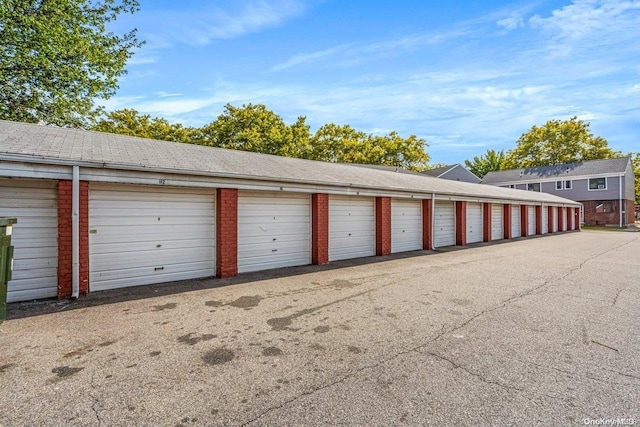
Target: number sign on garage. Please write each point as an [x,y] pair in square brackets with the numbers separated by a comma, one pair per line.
[140,235]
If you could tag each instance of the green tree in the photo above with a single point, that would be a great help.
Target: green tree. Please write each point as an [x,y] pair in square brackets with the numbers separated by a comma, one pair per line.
[258,129]
[635,160]
[130,122]
[56,58]
[344,144]
[489,162]
[558,142]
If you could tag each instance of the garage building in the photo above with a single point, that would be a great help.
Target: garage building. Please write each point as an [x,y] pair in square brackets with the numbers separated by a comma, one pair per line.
[100,211]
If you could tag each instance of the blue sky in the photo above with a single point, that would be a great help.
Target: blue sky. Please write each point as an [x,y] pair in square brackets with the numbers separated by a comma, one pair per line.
[467,76]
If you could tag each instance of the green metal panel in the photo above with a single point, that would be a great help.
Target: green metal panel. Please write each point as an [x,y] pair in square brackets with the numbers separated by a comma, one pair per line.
[6,265]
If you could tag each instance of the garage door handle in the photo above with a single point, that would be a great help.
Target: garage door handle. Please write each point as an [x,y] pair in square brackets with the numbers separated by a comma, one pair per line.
[274,250]
[349,234]
[158,269]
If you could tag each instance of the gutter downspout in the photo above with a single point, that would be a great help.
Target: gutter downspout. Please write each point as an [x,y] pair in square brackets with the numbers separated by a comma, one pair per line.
[433,220]
[75,232]
[620,198]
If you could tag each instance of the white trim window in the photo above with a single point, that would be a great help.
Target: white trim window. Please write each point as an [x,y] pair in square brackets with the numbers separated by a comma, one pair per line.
[564,185]
[534,186]
[596,184]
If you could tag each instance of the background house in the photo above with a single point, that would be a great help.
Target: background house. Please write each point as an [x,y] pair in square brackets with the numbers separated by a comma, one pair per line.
[455,172]
[604,187]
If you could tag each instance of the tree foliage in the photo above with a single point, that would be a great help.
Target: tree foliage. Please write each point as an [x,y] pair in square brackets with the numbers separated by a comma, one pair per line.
[56,57]
[557,142]
[635,160]
[258,129]
[489,162]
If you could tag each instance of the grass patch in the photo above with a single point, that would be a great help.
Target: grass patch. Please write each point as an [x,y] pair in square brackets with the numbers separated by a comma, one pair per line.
[596,228]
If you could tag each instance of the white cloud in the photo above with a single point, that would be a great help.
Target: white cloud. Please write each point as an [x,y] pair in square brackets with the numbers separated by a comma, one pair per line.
[203,26]
[512,22]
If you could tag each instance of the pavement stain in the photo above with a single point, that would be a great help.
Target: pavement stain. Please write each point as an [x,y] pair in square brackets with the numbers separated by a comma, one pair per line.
[155,353]
[213,303]
[4,368]
[218,356]
[168,306]
[65,371]
[353,349]
[192,339]
[271,351]
[246,301]
[321,329]
[459,301]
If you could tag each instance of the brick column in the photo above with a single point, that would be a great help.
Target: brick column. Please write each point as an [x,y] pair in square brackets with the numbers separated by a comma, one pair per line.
[65,238]
[461,223]
[524,220]
[427,215]
[569,215]
[226,232]
[550,219]
[538,220]
[383,226]
[486,222]
[560,218]
[319,229]
[576,219]
[506,221]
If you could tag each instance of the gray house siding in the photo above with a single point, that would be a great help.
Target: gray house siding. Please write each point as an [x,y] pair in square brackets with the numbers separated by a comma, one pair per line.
[459,173]
[628,188]
[580,189]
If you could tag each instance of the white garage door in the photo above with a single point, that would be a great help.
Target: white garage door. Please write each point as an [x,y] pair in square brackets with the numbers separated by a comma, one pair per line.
[563,218]
[351,227]
[274,230]
[34,237]
[516,226]
[444,233]
[139,235]
[474,222]
[531,220]
[545,220]
[554,219]
[406,225]
[497,230]
[571,218]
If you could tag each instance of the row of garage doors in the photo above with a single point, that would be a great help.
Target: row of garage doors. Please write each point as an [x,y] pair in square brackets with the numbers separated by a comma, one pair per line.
[141,235]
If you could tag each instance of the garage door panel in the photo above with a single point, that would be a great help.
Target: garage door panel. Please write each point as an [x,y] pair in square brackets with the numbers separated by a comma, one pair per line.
[406,225]
[516,225]
[531,220]
[474,223]
[497,215]
[129,246]
[545,220]
[444,233]
[351,227]
[274,230]
[35,237]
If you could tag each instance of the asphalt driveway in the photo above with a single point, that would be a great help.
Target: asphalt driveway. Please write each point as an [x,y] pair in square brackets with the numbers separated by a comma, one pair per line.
[542,331]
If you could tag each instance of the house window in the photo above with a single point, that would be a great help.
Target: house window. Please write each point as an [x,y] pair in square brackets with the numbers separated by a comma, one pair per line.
[597,183]
[558,185]
[568,185]
[563,185]
[533,186]
[603,207]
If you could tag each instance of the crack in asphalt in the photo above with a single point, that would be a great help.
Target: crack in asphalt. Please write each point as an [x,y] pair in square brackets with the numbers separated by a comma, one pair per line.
[95,401]
[443,332]
[615,298]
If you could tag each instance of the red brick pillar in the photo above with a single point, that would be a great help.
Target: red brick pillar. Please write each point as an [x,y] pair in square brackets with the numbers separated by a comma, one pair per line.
[538,220]
[461,223]
[383,226]
[550,219]
[560,218]
[427,215]
[84,237]
[65,238]
[569,215]
[506,220]
[319,229]
[486,222]
[576,219]
[226,232]
[524,220]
